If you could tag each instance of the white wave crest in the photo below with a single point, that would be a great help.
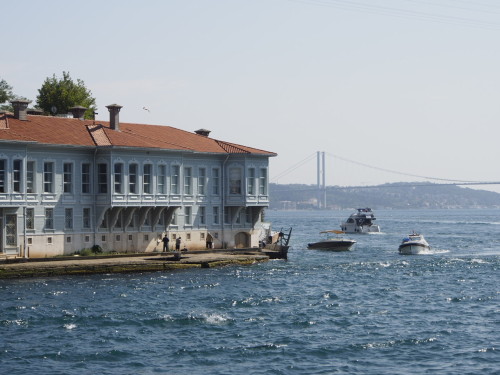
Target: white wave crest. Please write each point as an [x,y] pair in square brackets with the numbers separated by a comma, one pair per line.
[215,318]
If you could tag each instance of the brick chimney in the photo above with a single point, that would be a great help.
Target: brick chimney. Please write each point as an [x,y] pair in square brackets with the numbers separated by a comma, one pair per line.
[114,116]
[203,132]
[20,109]
[78,111]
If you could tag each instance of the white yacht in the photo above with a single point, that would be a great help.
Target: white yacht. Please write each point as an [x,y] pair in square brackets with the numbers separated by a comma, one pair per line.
[360,222]
[413,244]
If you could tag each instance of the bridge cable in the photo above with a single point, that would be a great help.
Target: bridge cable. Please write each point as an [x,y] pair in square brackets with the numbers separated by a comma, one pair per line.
[294,167]
[400,173]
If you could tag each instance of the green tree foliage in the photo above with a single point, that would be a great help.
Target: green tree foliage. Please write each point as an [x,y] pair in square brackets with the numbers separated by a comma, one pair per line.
[5,91]
[7,95]
[62,94]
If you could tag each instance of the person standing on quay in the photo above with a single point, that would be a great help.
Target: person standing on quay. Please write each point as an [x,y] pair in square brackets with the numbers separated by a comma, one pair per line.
[165,243]
[178,244]
[209,241]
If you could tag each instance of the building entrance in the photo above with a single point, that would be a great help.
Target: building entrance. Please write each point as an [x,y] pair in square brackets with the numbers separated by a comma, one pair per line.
[242,240]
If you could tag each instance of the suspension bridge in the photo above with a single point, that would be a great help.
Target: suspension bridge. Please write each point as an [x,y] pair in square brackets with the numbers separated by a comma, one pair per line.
[321,170]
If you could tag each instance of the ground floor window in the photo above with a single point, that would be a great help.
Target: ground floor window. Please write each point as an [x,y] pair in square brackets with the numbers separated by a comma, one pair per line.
[68,218]
[49,218]
[86,218]
[201,213]
[215,215]
[11,230]
[30,218]
[187,216]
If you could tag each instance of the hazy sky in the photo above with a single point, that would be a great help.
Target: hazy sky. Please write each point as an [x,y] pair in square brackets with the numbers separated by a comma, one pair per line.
[403,85]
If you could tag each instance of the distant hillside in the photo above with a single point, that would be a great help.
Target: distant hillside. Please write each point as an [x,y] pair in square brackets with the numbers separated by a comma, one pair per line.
[397,195]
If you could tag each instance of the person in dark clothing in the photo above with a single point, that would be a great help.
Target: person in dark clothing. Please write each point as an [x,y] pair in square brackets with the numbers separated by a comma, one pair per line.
[165,243]
[210,240]
[178,244]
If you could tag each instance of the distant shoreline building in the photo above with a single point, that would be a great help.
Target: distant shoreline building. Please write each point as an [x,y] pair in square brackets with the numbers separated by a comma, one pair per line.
[67,184]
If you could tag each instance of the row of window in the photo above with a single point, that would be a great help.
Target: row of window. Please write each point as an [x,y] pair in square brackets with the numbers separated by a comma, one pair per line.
[87,220]
[104,238]
[48,177]
[16,175]
[132,179]
[49,218]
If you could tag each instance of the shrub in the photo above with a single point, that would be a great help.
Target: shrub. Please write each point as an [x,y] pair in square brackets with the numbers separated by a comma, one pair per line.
[96,249]
[85,252]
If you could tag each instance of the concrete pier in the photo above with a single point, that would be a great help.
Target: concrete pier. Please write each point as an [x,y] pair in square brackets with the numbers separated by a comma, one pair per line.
[143,262]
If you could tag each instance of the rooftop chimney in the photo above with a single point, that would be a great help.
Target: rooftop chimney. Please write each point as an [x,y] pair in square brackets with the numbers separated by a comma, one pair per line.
[114,116]
[78,111]
[203,132]
[20,109]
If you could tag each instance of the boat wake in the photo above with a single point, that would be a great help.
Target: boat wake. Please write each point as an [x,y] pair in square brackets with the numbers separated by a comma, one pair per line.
[433,251]
[439,251]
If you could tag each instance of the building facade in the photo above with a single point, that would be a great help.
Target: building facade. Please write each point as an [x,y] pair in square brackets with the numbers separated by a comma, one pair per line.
[68,184]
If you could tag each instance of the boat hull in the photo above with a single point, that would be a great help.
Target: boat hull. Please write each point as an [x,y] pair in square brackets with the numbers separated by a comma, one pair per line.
[363,229]
[332,245]
[276,251]
[413,248]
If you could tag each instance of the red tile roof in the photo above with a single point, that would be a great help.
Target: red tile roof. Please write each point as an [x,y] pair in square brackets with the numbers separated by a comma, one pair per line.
[76,132]
[99,135]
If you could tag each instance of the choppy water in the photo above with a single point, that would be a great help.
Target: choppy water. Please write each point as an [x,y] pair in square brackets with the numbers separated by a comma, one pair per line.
[369,311]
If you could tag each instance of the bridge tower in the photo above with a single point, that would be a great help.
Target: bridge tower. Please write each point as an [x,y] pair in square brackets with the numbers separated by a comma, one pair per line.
[321,176]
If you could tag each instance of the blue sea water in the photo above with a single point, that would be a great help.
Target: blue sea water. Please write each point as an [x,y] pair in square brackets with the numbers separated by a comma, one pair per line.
[368,311]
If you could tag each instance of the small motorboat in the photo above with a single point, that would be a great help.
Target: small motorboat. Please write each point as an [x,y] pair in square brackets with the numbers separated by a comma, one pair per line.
[336,243]
[361,222]
[414,243]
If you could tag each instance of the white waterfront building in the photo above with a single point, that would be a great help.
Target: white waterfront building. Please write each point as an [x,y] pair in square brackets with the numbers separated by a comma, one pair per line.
[68,184]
